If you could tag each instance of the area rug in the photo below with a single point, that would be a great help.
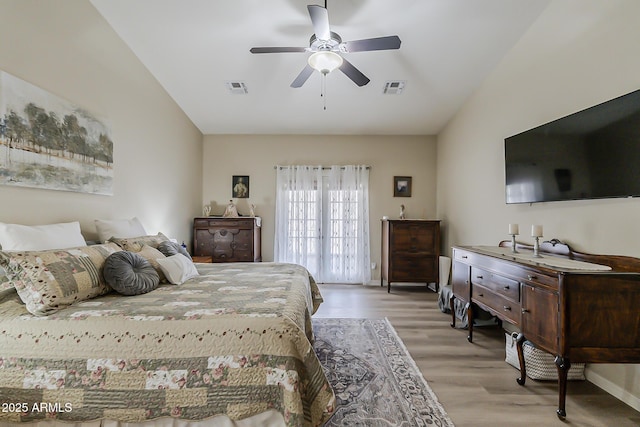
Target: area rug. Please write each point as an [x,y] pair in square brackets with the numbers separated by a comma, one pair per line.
[375,380]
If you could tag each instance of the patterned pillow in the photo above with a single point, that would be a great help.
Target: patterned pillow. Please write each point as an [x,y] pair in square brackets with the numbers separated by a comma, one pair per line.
[48,281]
[4,281]
[172,248]
[135,244]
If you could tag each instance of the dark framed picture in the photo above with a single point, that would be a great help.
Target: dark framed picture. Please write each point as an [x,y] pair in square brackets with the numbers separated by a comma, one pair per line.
[240,187]
[401,186]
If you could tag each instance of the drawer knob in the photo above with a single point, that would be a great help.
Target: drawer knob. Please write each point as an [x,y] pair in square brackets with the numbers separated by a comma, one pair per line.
[479,277]
[531,277]
[506,288]
[507,308]
[480,295]
[464,257]
[525,311]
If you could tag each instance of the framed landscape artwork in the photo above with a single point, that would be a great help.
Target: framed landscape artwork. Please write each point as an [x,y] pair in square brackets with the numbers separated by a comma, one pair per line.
[48,142]
[401,186]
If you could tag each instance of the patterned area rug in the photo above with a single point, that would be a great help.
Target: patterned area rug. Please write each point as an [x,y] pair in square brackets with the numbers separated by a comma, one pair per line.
[375,380]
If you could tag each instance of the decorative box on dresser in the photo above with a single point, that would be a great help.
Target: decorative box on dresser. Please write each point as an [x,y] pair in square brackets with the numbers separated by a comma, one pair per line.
[579,307]
[218,239]
[410,251]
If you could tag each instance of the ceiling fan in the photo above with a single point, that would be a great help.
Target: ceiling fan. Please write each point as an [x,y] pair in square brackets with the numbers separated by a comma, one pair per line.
[327,47]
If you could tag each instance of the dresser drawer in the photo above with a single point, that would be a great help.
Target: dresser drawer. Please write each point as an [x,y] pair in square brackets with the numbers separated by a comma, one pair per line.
[499,305]
[414,268]
[463,256]
[508,288]
[243,224]
[414,237]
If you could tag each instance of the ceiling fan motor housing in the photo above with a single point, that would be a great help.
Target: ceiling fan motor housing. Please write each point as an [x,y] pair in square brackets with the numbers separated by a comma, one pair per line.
[333,44]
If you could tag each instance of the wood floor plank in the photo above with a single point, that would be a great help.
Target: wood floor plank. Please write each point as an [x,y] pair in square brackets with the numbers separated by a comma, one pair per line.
[472,381]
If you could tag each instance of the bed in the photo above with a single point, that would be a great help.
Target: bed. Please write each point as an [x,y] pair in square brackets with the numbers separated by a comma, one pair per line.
[233,341]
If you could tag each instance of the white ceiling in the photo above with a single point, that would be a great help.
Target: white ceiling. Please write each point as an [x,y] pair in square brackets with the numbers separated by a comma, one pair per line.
[194,47]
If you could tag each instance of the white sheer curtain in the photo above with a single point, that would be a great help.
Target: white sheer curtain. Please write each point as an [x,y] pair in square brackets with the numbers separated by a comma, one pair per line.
[299,216]
[322,221]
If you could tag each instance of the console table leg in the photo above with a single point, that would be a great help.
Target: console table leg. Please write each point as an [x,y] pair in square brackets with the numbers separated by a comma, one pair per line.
[453,311]
[523,368]
[470,321]
[563,365]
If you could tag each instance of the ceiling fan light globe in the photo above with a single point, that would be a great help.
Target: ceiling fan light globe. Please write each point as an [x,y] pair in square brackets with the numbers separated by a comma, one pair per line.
[325,61]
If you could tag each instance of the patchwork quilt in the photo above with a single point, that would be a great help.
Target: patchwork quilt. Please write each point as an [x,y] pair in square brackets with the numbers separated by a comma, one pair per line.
[235,340]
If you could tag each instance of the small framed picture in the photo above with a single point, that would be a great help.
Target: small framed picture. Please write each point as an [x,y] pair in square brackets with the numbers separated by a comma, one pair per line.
[401,186]
[240,187]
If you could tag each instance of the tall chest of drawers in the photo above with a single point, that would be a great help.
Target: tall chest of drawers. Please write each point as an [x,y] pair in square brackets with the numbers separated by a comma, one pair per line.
[410,251]
[217,239]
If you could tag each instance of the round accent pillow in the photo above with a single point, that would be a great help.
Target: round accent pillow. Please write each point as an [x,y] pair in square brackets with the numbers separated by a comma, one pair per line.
[170,248]
[129,273]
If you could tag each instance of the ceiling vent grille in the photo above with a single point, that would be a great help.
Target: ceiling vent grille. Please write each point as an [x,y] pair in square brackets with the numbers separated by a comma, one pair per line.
[393,88]
[237,88]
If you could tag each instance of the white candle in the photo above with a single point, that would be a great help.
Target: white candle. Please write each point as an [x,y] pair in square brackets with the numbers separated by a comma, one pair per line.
[536,231]
[513,229]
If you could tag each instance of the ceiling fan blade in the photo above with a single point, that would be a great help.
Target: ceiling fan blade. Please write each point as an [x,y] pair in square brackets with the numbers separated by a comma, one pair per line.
[353,73]
[303,76]
[277,49]
[320,21]
[378,43]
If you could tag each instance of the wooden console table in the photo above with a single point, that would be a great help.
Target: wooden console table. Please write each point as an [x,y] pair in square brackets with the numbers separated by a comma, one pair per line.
[580,307]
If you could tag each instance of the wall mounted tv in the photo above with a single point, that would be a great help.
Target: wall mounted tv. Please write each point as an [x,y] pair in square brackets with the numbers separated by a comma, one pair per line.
[591,154]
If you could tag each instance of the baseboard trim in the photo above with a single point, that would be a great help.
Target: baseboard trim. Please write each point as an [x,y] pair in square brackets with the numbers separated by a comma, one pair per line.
[613,389]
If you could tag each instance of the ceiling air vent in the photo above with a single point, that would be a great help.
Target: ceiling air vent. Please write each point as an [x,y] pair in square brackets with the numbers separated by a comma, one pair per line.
[237,88]
[393,88]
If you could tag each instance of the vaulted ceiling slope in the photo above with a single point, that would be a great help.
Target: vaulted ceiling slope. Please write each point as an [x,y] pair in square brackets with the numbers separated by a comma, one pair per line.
[195,47]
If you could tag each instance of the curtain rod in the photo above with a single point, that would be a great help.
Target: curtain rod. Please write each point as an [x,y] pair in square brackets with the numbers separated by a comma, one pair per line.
[314,167]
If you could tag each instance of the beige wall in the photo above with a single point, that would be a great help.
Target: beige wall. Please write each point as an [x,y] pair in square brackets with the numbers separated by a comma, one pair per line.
[67,49]
[256,156]
[562,65]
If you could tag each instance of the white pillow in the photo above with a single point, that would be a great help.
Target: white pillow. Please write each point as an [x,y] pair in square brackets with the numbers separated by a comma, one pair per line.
[16,237]
[177,268]
[108,228]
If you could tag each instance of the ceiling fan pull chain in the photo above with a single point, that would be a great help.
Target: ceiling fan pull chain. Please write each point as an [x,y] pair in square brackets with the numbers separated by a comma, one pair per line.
[323,90]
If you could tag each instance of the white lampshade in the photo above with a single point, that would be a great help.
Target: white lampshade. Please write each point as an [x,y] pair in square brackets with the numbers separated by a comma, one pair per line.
[325,61]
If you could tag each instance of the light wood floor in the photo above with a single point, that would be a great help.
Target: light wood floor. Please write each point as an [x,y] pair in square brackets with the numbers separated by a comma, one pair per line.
[472,381]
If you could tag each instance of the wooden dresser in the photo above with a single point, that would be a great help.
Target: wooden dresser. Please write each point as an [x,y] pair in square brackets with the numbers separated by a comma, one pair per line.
[217,239]
[410,251]
[579,307]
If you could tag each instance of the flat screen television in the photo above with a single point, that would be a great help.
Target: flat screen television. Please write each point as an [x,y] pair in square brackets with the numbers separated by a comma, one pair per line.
[591,154]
